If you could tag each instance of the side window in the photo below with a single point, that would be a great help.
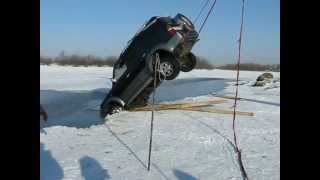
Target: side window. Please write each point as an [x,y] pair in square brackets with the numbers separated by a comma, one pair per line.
[142,28]
[146,24]
[118,69]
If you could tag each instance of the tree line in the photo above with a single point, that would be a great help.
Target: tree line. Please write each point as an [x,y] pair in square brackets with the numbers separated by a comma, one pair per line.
[202,63]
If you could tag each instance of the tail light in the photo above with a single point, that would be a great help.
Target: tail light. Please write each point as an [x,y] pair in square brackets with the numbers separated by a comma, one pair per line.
[172,31]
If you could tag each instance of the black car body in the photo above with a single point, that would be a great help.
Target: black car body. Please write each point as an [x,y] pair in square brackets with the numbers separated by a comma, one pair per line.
[133,73]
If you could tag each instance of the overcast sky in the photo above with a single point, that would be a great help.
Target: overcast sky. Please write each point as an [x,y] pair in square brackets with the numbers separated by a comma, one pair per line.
[103,27]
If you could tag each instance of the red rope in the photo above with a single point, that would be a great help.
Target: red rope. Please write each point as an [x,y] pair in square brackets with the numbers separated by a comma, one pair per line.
[156,70]
[243,171]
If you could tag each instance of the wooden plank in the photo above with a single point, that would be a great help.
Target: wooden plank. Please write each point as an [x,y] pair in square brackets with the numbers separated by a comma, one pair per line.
[179,105]
[193,106]
[219,111]
[199,109]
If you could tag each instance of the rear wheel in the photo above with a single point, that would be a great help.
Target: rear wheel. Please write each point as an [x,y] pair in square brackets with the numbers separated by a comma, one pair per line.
[169,67]
[189,62]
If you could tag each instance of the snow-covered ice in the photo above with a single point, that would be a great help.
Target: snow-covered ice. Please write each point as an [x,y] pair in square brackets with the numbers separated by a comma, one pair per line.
[76,144]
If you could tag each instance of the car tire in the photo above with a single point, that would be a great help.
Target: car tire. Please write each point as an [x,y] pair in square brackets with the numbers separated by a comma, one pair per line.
[189,62]
[169,67]
[109,109]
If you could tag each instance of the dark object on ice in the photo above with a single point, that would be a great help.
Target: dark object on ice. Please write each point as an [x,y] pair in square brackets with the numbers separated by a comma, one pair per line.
[259,83]
[263,79]
[133,73]
[265,76]
[43,113]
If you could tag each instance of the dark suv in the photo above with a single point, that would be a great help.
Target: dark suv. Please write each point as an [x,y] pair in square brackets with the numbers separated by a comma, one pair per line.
[133,74]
